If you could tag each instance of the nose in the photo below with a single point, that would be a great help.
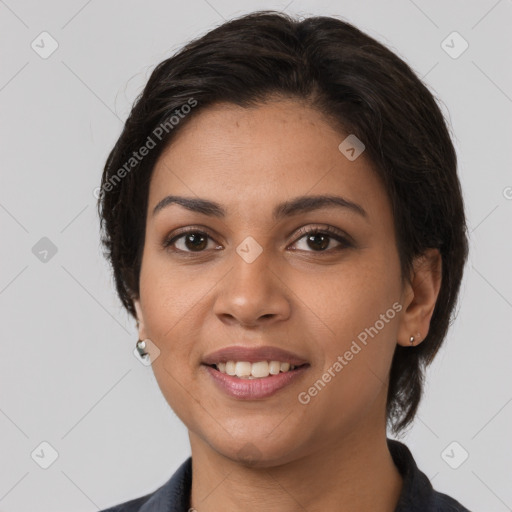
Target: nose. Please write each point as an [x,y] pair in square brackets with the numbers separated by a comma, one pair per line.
[252,294]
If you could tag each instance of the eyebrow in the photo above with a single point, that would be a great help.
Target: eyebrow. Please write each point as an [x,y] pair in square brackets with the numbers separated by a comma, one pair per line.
[301,204]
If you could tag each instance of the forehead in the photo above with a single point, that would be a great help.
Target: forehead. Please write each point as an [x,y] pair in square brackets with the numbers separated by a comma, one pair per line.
[252,157]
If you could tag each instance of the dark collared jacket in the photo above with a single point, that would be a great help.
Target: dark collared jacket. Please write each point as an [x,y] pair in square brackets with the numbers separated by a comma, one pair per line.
[417,494]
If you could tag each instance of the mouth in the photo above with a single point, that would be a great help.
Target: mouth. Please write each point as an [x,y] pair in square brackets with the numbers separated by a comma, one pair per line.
[256,370]
[252,373]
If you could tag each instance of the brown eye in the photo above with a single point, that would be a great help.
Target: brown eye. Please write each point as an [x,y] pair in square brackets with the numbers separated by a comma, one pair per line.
[189,241]
[319,240]
[195,241]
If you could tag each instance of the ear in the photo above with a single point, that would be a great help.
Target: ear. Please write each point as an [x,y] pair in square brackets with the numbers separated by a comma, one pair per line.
[421,295]
[140,320]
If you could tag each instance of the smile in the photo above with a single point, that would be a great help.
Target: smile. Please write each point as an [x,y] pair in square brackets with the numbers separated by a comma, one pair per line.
[250,387]
[257,370]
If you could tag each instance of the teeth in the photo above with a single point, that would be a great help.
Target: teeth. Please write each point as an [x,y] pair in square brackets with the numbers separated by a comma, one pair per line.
[274,367]
[242,369]
[246,370]
[285,367]
[230,368]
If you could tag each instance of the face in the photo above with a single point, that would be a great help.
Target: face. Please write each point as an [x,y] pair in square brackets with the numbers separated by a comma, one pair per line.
[250,279]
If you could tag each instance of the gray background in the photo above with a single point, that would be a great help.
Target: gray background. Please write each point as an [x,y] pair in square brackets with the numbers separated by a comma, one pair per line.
[68,376]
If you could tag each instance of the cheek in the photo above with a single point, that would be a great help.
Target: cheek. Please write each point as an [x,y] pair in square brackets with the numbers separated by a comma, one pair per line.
[358,307]
[171,304]
[351,381]
[169,294]
[174,301]
[350,297]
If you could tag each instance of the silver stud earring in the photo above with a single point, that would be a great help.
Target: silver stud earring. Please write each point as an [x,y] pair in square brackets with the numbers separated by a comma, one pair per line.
[141,346]
[411,339]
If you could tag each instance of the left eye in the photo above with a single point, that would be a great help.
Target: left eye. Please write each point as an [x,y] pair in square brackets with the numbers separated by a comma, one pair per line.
[320,239]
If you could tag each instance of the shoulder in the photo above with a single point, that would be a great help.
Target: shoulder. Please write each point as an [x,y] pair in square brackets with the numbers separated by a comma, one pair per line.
[444,503]
[130,506]
[172,496]
[418,495]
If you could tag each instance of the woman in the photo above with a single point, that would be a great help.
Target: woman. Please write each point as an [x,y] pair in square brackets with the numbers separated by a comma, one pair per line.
[285,222]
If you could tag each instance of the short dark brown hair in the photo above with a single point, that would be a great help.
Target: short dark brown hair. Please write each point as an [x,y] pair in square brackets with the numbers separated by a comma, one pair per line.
[364,89]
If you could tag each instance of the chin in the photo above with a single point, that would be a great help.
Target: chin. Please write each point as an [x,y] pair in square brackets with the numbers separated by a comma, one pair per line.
[257,452]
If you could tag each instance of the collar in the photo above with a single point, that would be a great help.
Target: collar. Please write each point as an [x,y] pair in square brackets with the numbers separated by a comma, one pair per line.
[417,493]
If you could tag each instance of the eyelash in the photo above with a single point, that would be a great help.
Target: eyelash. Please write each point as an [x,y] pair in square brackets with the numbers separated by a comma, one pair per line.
[303,232]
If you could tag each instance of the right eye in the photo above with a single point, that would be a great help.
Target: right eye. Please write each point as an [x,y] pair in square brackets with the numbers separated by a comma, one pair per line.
[191,240]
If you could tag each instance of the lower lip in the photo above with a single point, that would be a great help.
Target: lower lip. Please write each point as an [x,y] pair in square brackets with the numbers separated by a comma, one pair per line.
[249,389]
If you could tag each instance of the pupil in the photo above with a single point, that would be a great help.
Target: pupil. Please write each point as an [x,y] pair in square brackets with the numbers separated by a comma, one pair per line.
[194,238]
[324,243]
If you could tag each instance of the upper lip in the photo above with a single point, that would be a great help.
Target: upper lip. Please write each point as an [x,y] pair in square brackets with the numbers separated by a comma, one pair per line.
[253,355]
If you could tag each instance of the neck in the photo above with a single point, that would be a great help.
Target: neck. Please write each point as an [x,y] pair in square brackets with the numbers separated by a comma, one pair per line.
[357,474]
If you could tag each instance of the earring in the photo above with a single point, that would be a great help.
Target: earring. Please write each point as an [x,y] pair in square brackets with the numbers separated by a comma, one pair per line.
[411,339]
[141,345]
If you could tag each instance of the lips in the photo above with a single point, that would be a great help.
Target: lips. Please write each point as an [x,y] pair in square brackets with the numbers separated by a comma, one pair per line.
[257,389]
[253,355]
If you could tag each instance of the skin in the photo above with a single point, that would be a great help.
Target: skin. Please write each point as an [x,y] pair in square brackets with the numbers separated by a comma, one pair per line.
[306,457]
